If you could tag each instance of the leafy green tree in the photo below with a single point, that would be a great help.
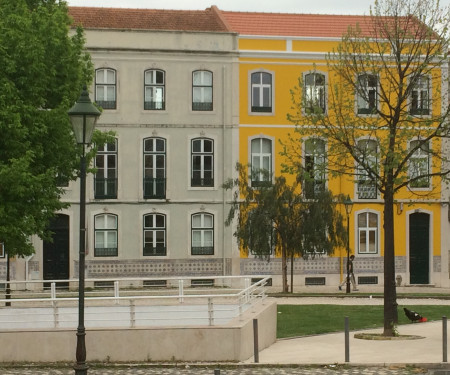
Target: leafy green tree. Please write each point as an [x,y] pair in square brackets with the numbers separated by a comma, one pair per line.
[386,107]
[276,216]
[43,68]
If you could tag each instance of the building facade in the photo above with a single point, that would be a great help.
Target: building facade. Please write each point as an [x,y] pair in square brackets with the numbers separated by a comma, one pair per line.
[275,50]
[188,94]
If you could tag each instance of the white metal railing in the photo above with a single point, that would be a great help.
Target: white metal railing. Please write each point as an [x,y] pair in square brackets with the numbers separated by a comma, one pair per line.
[127,303]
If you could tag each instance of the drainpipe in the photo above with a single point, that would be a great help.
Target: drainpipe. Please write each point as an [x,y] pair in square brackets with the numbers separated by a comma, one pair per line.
[223,171]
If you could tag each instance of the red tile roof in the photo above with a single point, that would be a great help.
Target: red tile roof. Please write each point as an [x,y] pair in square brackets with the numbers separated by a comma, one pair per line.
[148,19]
[289,24]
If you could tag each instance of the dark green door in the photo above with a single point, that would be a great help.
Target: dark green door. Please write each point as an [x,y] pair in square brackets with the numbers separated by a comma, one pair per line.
[56,253]
[419,251]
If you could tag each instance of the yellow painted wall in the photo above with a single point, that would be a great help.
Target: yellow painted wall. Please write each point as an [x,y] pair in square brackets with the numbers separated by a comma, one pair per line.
[286,72]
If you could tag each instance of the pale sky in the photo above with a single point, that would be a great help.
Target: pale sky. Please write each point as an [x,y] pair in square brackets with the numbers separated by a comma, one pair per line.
[278,6]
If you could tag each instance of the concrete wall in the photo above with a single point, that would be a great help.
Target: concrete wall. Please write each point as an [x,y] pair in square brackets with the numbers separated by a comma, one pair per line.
[232,342]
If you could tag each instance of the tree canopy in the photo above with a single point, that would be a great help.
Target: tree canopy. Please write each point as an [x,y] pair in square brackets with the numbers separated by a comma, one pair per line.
[387,112]
[43,69]
[277,218]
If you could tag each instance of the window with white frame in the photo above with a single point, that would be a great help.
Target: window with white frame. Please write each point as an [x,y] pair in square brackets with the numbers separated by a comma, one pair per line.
[419,164]
[105,88]
[155,235]
[420,97]
[261,161]
[202,162]
[154,168]
[202,90]
[202,234]
[367,233]
[154,89]
[314,93]
[261,92]
[105,227]
[105,180]
[367,96]
[315,166]
[367,153]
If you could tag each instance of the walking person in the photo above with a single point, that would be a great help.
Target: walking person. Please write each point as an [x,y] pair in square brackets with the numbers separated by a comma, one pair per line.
[350,274]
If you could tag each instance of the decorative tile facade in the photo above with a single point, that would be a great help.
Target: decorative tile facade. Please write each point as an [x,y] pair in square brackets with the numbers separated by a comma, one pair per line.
[154,268]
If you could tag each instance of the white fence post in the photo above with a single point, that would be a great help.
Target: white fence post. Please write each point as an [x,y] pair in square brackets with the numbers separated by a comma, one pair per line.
[210,311]
[132,314]
[53,293]
[181,290]
[116,292]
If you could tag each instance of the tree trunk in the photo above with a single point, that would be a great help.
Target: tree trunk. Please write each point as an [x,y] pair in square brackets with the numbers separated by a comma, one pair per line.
[292,273]
[284,270]
[390,293]
[8,279]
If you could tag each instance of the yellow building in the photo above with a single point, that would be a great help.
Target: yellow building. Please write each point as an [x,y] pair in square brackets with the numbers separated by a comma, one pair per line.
[274,51]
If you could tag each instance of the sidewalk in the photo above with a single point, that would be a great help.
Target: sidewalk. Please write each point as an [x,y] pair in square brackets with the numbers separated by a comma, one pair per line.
[330,348]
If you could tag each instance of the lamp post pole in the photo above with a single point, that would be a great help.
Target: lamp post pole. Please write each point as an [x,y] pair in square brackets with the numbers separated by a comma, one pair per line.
[83,116]
[348,209]
[347,285]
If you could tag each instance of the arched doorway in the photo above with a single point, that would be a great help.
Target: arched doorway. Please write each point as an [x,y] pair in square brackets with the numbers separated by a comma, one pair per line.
[419,248]
[56,253]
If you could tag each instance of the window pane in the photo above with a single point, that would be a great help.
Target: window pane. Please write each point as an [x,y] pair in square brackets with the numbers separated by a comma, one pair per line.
[99,240]
[197,145]
[362,220]
[266,78]
[208,238]
[160,145]
[159,77]
[110,76]
[197,95]
[111,222]
[207,79]
[208,146]
[362,241]
[111,239]
[373,220]
[256,146]
[196,238]
[372,241]
[266,146]
[148,221]
[110,93]
[160,221]
[208,221]
[148,237]
[196,221]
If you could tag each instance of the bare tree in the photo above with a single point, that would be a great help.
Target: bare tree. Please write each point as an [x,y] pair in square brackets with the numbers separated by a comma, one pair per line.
[387,114]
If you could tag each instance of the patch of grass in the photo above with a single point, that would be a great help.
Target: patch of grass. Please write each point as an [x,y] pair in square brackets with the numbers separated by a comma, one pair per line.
[303,320]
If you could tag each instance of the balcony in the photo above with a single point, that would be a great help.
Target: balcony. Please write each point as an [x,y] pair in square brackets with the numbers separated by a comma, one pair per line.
[107,104]
[202,182]
[155,251]
[199,106]
[105,188]
[154,188]
[202,250]
[155,106]
[367,190]
[105,252]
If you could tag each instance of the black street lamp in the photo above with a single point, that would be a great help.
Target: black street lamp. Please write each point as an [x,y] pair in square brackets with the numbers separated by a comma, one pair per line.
[348,209]
[83,116]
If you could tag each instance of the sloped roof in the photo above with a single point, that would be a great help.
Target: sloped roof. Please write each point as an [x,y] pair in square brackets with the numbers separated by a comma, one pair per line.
[299,25]
[148,19]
